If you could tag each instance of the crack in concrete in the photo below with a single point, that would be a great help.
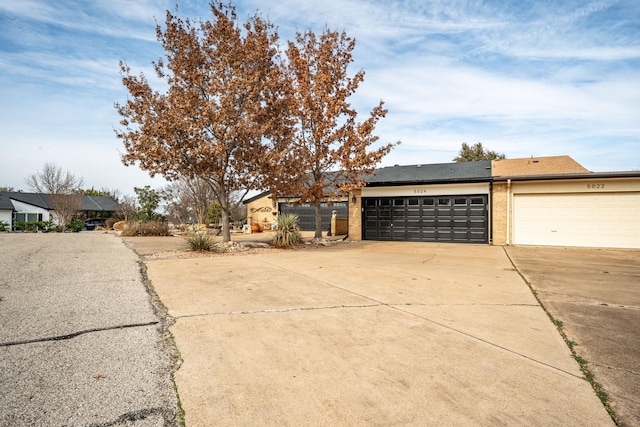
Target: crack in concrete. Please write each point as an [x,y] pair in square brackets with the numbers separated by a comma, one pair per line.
[332,307]
[630,371]
[76,334]
[280,310]
[442,325]
[140,415]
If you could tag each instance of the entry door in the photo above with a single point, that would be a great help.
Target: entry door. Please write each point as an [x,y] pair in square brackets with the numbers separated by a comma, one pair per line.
[431,219]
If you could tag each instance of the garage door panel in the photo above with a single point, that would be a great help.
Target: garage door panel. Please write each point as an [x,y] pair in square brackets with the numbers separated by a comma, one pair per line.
[306,213]
[577,219]
[430,218]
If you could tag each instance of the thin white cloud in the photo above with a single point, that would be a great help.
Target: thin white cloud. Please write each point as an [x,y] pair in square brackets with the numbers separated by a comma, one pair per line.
[533,78]
[113,18]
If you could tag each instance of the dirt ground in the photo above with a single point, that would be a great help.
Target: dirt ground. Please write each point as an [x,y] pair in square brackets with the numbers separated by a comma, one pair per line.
[361,333]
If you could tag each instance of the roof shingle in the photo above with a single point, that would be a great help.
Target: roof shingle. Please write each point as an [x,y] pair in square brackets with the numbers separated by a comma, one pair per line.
[536,166]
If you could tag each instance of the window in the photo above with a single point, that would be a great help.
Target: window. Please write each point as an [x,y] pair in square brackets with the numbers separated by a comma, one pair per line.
[26,217]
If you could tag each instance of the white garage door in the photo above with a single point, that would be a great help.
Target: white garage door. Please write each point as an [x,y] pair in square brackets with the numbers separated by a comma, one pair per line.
[609,220]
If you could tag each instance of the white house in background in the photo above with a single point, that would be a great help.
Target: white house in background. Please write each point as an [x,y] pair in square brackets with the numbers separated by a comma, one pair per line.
[30,207]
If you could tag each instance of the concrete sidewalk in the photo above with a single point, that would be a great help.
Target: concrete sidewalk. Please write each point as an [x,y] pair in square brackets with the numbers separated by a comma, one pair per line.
[80,343]
[366,333]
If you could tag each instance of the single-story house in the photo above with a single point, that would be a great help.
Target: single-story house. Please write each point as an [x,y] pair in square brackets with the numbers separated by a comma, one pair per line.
[530,201]
[31,207]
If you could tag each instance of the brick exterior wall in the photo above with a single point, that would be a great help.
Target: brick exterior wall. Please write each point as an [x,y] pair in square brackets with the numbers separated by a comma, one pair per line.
[499,214]
[355,216]
[261,212]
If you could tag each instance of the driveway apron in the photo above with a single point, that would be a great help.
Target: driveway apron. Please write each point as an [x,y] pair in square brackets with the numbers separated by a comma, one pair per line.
[368,333]
[595,293]
[80,343]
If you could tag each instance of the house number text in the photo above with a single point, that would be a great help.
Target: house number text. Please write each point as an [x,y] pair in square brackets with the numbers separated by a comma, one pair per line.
[595,186]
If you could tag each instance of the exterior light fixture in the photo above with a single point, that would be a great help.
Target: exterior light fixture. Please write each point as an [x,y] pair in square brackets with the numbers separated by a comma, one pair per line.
[353,198]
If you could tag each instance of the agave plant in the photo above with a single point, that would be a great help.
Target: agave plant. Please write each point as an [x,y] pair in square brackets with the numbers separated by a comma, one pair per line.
[200,242]
[287,231]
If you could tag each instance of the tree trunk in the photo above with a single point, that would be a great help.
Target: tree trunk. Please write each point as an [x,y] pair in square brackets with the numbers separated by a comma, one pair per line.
[226,232]
[318,215]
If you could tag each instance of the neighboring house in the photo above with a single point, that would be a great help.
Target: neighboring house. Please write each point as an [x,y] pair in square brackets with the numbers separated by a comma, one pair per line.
[30,207]
[554,201]
[262,210]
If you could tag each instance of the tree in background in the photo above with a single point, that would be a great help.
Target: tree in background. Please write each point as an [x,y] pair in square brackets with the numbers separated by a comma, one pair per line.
[62,190]
[53,180]
[148,203]
[472,153]
[327,138]
[92,192]
[127,207]
[224,103]
[189,198]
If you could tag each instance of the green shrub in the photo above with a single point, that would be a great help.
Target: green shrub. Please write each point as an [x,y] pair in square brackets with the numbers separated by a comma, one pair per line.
[46,226]
[149,228]
[4,226]
[200,242]
[287,231]
[33,226]
[75,225]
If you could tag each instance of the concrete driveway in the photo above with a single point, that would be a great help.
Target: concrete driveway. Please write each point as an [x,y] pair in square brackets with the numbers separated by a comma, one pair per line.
[595,293]
[367,333]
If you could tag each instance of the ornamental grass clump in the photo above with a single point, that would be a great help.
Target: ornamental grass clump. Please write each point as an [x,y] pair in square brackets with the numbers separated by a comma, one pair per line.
[149,228]
[200,242]
[287,231]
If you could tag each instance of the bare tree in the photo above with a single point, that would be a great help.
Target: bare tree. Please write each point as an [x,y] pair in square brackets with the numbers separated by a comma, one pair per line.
[53,180]
[225,101]
[62,189]
[327,136]
[189,197]
[127,207]
[65,207]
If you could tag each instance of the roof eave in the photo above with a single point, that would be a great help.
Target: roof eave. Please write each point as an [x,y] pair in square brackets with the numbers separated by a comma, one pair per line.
[431,182]
[564,176]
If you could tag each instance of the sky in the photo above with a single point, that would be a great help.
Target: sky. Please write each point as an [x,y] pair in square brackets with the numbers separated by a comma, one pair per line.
[525,78]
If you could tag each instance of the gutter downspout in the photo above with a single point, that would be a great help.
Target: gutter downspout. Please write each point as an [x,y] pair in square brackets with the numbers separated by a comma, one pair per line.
[509,212]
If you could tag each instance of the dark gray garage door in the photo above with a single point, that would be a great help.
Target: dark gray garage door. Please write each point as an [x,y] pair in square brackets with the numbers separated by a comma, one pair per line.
[306,212]
[430,219]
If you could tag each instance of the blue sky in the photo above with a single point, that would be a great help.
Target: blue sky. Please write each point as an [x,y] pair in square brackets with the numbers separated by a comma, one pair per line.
[525,78]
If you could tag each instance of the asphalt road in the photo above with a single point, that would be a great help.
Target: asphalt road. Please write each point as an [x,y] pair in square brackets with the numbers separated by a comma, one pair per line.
[81,342]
